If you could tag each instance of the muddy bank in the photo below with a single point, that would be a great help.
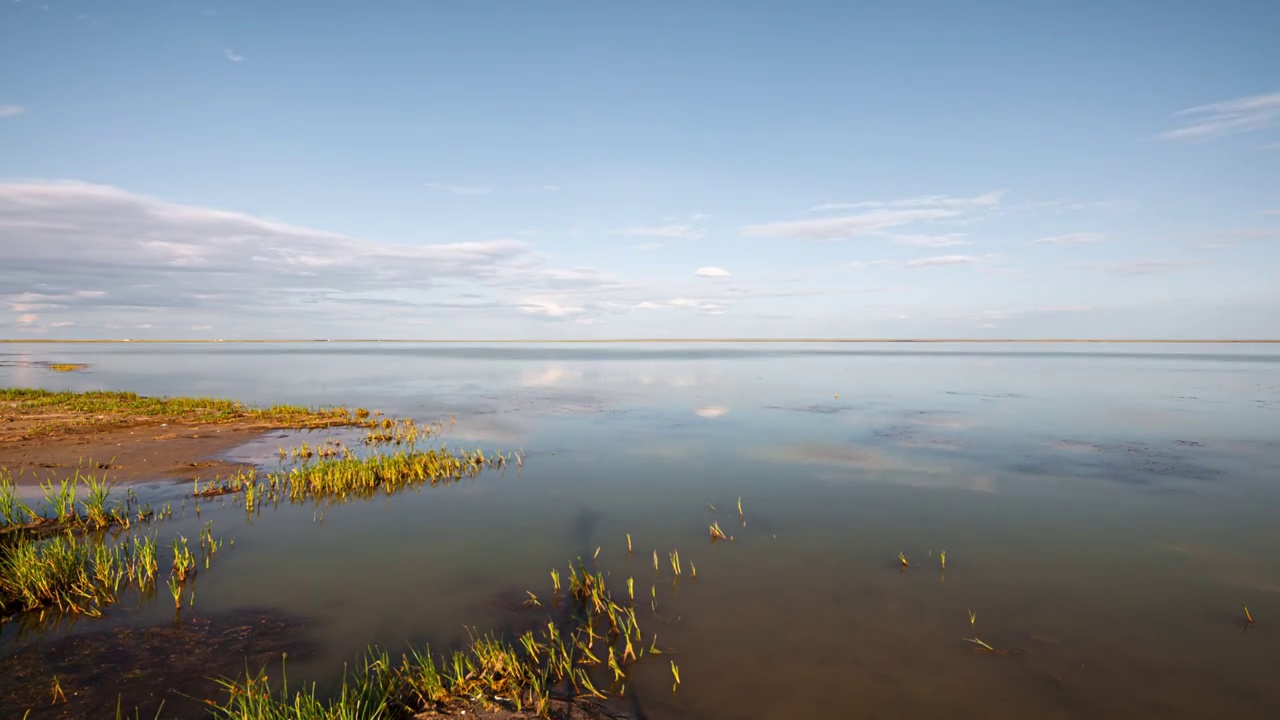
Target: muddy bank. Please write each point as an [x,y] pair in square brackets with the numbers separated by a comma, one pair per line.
[137,452]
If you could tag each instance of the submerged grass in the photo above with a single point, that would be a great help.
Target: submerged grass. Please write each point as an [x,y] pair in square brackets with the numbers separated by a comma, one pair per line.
[58,555]
[585,651]
[349,476]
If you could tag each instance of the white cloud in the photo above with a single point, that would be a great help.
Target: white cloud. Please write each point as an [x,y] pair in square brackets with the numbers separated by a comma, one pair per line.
[845,227]
[712,272]
[1080,238]
[677,231]
[699,305]
[549,308]
[61,242]
[930,241]
[11,110]
[941,260]
[1244,114]
[712,411]
[232,55]
[460,189]
[202,327]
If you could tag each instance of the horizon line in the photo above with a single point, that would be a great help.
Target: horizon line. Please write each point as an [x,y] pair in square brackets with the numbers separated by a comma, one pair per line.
[1187,341]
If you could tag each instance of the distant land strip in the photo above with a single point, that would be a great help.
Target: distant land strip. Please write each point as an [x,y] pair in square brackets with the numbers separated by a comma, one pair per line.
[1150,341]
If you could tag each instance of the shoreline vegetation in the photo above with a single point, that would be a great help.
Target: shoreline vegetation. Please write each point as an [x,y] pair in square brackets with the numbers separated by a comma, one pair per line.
[77,551]
[38,412]
[610,341]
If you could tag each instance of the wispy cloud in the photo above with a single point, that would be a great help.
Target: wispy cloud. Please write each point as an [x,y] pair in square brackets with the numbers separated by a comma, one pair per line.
[1244,114]
[881,216]
[1137,267]
[711,272]
[232,55]
[930,241]
[1080,238]
[988,199]
[828,207]
[839,228]
[11,110]
[937,260]
[676,231]
[460,189]
[1230,238]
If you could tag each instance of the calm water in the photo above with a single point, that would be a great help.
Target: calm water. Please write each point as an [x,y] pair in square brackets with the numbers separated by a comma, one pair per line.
[1105,510]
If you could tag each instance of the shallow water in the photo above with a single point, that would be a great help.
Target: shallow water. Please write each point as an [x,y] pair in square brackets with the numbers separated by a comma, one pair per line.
[1105,510]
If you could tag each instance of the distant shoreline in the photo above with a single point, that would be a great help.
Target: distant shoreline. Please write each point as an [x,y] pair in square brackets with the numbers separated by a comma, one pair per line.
[616,341]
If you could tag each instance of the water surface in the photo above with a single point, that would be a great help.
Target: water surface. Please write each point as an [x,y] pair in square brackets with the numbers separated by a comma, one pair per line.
[1105,510]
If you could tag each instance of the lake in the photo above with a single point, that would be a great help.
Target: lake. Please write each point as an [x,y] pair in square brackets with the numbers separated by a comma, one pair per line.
[1105,511]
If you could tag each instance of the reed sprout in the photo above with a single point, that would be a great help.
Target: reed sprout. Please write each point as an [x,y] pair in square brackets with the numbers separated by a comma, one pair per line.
[979,643]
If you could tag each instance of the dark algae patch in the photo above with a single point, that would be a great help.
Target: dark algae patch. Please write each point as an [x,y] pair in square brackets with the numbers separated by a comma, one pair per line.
[142,667]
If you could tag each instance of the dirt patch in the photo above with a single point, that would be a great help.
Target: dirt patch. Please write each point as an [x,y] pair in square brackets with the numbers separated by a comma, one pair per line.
[142,667]
[137,452]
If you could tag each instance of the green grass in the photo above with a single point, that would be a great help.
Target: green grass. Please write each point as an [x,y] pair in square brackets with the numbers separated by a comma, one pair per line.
[73,574]
[95,408]
[80,503]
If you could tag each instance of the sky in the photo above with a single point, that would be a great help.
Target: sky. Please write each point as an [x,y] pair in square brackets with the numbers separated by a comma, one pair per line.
[588,170]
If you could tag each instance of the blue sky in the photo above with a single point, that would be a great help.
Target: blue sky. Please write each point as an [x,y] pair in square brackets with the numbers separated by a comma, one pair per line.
[583,169]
